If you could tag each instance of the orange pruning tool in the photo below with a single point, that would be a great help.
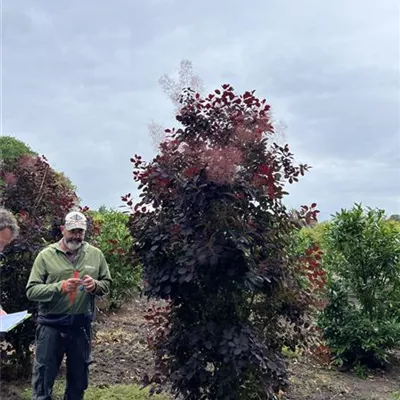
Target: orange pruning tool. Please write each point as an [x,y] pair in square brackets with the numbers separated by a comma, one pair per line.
[72,295]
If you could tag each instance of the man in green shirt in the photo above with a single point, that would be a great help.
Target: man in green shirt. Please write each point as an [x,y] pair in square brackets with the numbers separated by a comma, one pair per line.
[65,279]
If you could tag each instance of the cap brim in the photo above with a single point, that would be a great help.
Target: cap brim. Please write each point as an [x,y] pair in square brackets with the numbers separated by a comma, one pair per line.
[70,227]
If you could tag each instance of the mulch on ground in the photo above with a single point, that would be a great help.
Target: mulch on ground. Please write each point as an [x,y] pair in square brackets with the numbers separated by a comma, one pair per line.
[120,356]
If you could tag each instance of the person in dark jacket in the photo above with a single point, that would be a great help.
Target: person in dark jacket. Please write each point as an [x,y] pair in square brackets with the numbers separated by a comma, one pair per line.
[9,230]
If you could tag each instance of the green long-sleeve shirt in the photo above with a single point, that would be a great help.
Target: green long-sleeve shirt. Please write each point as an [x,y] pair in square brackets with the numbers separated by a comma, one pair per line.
[52,266]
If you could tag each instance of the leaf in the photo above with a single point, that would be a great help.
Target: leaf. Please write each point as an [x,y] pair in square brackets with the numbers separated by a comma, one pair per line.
[189,277]
[182,271]
[165,278]
[167,289]
[214,260]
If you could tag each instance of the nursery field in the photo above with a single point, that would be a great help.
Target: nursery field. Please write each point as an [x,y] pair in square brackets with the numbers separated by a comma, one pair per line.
[244,277]
[121,357]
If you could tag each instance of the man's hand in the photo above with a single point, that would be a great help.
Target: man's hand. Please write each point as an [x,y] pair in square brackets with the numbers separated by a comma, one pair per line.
[89,283]
[71,285]
[2,312]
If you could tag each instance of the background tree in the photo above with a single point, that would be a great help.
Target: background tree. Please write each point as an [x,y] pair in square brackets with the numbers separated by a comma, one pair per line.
[362,319]
[11,149]
[34,192]
[395,217]
[114,240]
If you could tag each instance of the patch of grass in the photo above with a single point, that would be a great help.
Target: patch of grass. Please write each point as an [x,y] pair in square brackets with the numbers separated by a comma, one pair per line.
[291,354]
[115,336]
[396,395]
[314,384]
[116,392]
[361,371]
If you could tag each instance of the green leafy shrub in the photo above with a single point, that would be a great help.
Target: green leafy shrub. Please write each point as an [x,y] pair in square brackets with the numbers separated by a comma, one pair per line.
[211,233]
[313,236]
[362,320]
[12,149]
[396,396]
[114,239]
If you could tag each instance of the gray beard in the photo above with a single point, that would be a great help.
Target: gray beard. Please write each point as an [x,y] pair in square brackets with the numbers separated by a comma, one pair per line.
[73,246]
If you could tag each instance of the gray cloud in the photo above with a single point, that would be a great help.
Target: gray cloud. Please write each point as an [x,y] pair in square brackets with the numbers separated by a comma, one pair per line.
[80,85]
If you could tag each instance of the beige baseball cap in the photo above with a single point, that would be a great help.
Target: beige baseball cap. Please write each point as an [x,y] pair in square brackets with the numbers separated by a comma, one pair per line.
[75,220]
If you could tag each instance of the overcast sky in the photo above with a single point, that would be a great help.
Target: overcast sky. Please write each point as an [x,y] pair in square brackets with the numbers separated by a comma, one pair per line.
[80,85]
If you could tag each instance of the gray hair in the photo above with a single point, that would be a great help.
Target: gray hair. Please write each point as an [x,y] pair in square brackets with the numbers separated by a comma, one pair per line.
[7,220]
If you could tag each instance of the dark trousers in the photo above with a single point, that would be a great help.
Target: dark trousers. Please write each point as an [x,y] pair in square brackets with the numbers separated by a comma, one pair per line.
[52,343]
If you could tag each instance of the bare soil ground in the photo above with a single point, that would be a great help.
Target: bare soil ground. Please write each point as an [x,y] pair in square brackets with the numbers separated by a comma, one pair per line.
[120,356]
[311,381]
